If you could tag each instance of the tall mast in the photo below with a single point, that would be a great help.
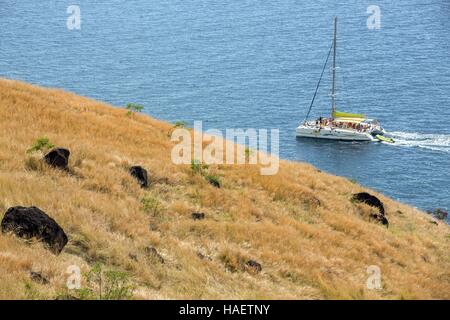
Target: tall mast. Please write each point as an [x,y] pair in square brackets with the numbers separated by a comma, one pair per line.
[333,90]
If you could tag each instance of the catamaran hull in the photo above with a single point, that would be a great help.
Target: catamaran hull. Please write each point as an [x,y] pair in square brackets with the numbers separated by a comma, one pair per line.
[333,134]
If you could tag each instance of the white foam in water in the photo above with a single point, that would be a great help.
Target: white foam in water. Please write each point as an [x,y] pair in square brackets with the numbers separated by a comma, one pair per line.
[436,142]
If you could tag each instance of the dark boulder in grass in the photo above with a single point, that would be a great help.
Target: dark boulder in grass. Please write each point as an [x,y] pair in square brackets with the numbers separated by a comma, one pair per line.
[372,201]
[253,266]
[58,158]
[153,254]
[140,174]
[369,200]
[34,223]
[203,257]
[198,215]
[38,277]
[380,219]
[213,180]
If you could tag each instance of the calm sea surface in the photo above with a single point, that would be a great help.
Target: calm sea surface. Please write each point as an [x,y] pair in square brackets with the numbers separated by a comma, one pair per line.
[255,64]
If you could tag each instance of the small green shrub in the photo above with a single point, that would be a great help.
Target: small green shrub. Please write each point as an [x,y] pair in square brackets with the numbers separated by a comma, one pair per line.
[106,285]
[41,144]
[151,205]
[213,180]
[31,293]
[180,124]
[248,153]
[233,261]
[198,167]
[177,125]
[133,107]
[117,286]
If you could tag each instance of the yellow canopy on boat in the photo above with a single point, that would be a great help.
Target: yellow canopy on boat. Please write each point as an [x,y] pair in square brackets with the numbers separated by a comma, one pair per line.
[340,114]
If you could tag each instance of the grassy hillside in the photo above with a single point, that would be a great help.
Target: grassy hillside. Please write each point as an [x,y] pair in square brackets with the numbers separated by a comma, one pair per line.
[300,224]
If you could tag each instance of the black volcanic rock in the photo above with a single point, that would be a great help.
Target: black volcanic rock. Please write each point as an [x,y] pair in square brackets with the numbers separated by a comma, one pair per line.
[198,215]
[34,223]
[140,174]
[38,277]
[372,201]
[439,213]
[254,266]
[153,254]
[213,181]
[369,200]
[58,158]
[380,219]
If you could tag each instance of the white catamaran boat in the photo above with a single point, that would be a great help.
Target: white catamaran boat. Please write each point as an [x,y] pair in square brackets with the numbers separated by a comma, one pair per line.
[341,125]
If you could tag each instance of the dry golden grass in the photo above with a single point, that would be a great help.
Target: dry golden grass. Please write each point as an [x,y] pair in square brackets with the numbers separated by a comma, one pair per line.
[312,241]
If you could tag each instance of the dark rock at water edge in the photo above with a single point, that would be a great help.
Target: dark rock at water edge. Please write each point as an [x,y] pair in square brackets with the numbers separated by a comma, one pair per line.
[140,174]
[58,158]
[439,213]
[34,223]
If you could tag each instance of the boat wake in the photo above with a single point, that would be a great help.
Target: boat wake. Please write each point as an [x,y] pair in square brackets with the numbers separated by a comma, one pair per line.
[435,142]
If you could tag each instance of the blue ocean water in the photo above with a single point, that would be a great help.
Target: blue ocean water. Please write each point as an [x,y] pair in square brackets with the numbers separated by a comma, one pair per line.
[255,64]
